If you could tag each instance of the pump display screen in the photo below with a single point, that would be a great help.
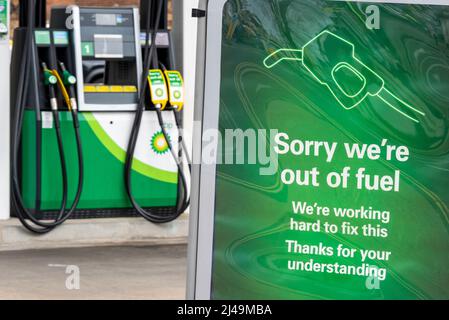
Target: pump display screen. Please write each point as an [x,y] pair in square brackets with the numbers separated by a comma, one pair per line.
[110,58]
[106,19]
[108,45]
[341,190]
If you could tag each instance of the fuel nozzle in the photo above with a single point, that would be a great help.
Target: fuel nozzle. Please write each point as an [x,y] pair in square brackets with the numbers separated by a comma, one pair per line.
[50,80]
[175,85]
[331,61]
[69,80]
[158,88]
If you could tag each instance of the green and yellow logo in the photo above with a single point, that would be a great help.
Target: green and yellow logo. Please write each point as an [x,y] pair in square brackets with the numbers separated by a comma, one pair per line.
[159,143]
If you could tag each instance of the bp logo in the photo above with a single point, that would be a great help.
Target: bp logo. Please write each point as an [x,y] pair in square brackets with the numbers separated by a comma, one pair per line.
[159,144]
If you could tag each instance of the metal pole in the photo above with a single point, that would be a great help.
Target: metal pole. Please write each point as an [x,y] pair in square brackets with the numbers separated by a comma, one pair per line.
[143,14]
[177,32]
[41,13]
[5,55]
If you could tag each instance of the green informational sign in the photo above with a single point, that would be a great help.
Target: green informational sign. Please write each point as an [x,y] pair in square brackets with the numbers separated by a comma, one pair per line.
[352,99]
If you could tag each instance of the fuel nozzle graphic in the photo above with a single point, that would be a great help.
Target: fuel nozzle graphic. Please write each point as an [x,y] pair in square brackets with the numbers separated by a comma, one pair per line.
[332,62]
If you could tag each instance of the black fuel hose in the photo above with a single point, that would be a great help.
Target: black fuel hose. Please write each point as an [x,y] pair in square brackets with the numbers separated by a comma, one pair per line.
[28,64]
[76,125]
[26,216]
[185,202]
[155,64]
[182,202]
[63,215]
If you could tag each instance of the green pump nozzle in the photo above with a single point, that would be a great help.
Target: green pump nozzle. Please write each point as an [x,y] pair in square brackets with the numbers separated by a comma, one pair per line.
[332,62]
[68,78]
[49,78]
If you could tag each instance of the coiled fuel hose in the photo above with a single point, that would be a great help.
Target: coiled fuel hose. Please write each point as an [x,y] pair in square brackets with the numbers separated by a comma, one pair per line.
[28,59]
[68,81]
[182,200]
[27,217]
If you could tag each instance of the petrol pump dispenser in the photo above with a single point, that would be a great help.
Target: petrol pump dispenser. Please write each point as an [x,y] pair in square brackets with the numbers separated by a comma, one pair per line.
[96,132]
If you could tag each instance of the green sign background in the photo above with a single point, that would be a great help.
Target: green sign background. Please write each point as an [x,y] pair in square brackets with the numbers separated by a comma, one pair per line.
[410,52]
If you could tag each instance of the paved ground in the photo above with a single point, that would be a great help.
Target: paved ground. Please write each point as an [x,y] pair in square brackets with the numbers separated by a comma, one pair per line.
[93,233]
[105,273]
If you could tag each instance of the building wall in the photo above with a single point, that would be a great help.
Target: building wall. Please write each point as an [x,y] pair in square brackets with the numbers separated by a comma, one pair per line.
[90,3]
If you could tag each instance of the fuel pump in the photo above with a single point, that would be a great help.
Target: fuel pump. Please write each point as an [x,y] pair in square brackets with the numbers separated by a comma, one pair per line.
[92,136]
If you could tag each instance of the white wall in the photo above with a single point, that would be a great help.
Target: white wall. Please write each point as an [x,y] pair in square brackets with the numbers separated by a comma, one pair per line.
[5,56]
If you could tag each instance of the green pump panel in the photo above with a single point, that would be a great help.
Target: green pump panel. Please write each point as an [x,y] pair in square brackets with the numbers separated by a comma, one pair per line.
[331,174]
[104,146]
